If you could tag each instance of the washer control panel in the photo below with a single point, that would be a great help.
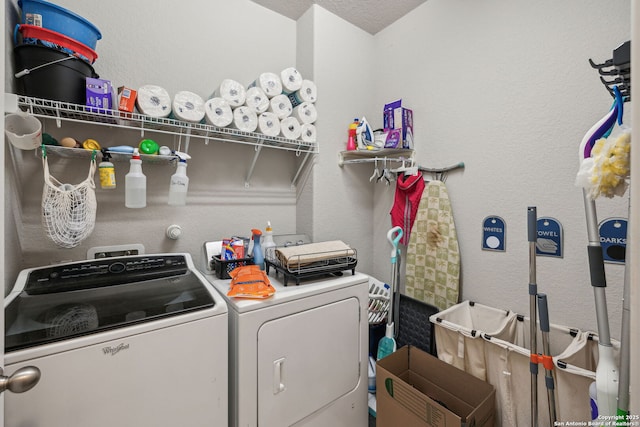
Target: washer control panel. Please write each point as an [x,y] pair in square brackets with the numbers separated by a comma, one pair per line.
[104,272]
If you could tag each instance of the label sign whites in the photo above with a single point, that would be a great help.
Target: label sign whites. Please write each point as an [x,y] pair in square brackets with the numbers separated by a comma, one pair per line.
[493,234]
[613,239]
[549,239]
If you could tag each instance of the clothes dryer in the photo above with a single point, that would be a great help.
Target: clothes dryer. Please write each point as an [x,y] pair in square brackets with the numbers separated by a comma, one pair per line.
[299,357]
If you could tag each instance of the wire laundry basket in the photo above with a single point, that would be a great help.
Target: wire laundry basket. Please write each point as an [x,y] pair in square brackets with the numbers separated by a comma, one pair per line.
[379,301]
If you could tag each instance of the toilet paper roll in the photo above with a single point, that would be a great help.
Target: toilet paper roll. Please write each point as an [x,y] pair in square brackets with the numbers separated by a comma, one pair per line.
[188,106]
[291,80]
[257,100]
[245,119]
[290,128]
[308,132]
[153,101]
[232,92]
[280,105]
[270,83]
[307,93]
[305,113]
[269,124]
[218,112]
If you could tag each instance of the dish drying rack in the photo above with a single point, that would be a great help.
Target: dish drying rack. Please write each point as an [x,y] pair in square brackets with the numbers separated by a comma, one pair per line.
[296,268]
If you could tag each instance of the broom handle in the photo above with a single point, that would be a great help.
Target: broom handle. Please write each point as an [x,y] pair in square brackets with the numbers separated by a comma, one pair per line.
[547,358]
[532,232]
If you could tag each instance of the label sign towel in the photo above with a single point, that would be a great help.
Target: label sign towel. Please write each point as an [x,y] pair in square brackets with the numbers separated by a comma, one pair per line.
[433,256]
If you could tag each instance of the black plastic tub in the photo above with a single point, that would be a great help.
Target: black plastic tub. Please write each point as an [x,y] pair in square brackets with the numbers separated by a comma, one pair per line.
[60,81]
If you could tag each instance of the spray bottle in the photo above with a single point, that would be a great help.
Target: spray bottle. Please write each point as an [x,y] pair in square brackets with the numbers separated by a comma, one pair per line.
[107,171]
[268,245]
[258,257]
[135,183]
[179,183]
[351,142]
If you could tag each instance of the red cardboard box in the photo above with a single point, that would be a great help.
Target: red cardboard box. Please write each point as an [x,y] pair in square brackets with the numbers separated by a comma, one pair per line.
[126,99]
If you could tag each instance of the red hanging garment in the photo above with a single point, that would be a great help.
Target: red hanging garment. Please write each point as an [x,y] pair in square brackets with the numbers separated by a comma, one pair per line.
[405,205]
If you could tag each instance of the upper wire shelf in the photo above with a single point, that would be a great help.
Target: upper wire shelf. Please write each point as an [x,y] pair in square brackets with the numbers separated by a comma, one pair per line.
[63,111]
[617,71]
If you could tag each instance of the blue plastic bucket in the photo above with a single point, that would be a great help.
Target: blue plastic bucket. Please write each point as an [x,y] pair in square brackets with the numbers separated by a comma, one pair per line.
[55,18]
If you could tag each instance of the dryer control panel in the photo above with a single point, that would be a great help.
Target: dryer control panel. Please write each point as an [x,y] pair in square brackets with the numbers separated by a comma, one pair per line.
[104,272]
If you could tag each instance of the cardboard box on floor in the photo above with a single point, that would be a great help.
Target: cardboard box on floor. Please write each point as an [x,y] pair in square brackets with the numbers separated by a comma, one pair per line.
[416,389]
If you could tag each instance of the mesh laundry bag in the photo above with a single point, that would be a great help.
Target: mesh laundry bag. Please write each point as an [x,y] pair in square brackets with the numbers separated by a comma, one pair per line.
[68,211]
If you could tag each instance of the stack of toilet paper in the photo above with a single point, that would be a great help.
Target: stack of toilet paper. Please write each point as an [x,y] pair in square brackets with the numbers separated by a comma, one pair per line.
[273,104]
[284,105]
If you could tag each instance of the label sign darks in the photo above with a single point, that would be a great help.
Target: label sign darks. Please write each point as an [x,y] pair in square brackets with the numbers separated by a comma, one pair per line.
[493,234]
[549,239]
[613,239]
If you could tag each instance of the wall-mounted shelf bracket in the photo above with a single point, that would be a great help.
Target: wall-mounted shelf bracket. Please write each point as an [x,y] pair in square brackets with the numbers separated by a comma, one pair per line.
[366,156]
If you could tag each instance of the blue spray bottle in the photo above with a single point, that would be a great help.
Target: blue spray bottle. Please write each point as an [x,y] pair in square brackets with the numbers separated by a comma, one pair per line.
[258,257]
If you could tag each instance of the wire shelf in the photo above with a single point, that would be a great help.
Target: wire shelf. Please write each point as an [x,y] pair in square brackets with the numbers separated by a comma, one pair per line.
[83,114]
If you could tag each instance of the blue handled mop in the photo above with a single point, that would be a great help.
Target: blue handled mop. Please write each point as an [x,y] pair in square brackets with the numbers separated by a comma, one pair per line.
[387,344]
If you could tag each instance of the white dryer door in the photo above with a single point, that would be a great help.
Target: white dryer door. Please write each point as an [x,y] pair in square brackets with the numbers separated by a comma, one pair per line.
[306,361]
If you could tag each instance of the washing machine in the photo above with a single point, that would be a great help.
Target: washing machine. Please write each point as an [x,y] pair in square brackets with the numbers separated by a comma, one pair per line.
[130,341]
[299,357]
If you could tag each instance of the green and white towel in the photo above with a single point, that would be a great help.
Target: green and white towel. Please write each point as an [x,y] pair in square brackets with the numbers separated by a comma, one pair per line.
[433,256]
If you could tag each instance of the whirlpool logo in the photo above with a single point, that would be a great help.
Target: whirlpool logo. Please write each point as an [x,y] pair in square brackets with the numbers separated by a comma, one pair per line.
[112,351]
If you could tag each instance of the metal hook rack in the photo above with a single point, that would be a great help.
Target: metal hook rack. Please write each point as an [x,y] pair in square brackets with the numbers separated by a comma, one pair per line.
[617,70]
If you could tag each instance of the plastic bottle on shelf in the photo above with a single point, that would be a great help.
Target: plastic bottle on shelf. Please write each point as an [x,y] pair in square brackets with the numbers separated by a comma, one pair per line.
[179,183]
[258,257]
[135,183]
[351,142]
[106,172]
[268,245]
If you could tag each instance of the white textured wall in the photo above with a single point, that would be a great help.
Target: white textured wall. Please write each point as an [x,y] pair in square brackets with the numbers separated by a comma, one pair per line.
[506,87]
[341,198]
[191,46]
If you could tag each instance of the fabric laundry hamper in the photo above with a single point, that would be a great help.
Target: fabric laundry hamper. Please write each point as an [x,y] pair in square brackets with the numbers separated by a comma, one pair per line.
[506,367]
[575,358]
[458,333]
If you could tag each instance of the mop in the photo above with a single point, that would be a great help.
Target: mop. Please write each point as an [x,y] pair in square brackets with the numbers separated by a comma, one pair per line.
[387,344]
[532,233]
[606,371]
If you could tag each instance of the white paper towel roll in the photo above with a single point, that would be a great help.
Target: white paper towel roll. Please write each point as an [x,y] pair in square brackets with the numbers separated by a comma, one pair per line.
[245,119]
[308,132]
[291,80]
[307,93]
[188,106]
[280,105]
[153,101]
[257,100]
[269,124]
[290,128]
[305,113]
[232,92]
[218,112]
[270,83]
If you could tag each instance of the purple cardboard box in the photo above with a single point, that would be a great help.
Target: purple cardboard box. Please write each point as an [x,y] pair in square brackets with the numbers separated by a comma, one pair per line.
[397,117]
[100,94]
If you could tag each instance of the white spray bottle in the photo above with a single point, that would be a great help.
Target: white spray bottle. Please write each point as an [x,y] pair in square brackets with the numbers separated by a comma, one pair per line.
[135,184]
[179,183]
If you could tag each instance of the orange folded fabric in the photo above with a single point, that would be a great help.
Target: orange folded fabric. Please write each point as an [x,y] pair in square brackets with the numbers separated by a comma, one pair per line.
[250,282]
